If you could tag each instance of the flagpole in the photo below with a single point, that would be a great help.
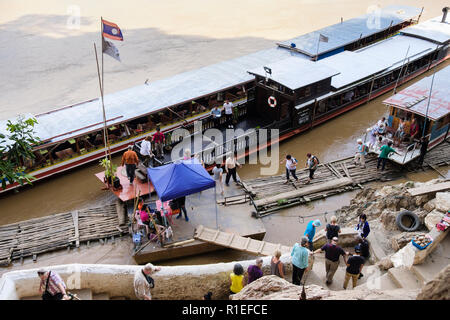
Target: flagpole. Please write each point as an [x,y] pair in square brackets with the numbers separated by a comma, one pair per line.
[103,106]
[102,88]
[428,105]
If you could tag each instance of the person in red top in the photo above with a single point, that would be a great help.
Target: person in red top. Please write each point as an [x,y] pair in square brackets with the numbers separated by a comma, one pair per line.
[158,139]
[413,130]
[130,160]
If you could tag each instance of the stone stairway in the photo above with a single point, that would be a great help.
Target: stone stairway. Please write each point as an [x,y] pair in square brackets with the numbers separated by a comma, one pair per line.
[84,294]
[318,275]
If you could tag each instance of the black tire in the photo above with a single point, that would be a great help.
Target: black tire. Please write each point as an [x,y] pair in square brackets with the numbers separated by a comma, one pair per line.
[412,217]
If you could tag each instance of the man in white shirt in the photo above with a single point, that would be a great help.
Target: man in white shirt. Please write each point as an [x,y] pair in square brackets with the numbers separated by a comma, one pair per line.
[228,107]
[291,166]
[230,168]
[146,150]
[143,281]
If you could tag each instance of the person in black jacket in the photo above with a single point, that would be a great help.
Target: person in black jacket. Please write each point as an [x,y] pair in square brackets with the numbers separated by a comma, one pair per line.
[181,204]
[423,150]
[332,229]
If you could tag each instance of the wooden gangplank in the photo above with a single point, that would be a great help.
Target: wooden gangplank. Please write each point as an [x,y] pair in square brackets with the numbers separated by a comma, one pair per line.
[443,186]
[234,241]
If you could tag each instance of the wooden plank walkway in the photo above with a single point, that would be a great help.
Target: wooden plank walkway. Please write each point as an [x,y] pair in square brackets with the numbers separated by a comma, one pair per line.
[39,235]
[444,186]
[233,241]
[264,190]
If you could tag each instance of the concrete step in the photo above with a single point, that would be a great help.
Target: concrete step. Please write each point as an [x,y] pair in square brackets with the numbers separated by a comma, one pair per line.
[376,251]
[405,278]
[32,298]
[383,282]
[82,294]
[100,296]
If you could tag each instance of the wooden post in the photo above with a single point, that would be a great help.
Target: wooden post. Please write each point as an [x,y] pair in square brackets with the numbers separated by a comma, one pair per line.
[75,224]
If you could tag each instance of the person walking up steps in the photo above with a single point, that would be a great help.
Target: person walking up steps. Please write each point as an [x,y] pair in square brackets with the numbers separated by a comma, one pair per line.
[291,166]
[300,257]
[332,254]
[332,229]
[276,266]
[311,231]
[354,267]
[311,164]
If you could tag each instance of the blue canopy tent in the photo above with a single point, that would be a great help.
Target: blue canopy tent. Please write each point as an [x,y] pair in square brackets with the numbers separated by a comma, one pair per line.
[180,179]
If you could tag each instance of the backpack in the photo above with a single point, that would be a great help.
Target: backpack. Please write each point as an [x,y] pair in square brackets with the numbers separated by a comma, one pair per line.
[314,157]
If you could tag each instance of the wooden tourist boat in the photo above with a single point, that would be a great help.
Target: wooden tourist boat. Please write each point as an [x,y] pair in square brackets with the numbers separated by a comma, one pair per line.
[431,113]
[72,136]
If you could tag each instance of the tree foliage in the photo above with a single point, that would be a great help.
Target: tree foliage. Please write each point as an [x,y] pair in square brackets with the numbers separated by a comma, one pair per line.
[15,149]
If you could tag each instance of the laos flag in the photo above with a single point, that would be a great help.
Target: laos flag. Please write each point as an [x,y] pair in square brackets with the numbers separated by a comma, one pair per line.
[111,30]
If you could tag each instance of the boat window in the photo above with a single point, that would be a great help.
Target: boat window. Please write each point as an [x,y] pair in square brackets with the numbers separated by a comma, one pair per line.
[403,114]
[307,91]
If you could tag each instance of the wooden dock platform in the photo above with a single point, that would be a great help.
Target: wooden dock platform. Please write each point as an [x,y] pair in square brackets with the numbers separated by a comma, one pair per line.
[236,219]
[271,193]
[63,230]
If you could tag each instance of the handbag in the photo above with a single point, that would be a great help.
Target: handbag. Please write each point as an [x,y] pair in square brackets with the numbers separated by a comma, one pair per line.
[47,295]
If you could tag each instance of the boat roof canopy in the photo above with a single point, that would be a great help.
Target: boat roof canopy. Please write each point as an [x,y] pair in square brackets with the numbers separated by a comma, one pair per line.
[433,30]
[352,67]
[349,31]
[415,97]
[295,73]
[393,50]
[121,106]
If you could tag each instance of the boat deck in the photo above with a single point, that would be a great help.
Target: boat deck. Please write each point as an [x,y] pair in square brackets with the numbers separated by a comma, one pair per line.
[200,207]
[128,191]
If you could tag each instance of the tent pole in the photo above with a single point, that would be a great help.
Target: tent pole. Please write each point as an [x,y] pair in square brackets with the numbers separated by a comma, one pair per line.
[215,199]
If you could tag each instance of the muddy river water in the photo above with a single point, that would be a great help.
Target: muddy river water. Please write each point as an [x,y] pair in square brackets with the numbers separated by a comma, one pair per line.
[334,139]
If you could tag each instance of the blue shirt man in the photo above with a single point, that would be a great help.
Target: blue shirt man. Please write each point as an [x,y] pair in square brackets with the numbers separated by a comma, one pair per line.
[311,231]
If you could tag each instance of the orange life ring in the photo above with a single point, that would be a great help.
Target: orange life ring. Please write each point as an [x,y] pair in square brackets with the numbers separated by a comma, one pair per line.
[272,101]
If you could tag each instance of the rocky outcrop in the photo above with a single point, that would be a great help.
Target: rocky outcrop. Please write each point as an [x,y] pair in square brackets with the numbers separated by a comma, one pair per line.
[433,218]
[443,201]
[430,205]
[385,263]
[274,288]
[387,219]
[438,288]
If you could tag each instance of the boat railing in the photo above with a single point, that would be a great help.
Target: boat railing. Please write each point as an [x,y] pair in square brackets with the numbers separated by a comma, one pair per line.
[411,148]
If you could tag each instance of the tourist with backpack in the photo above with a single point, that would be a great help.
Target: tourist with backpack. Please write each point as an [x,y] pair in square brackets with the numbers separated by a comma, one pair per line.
[361,153]
[332,229]
[311,163]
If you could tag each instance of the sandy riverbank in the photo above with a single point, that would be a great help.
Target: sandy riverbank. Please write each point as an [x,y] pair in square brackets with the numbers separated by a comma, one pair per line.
[48,62]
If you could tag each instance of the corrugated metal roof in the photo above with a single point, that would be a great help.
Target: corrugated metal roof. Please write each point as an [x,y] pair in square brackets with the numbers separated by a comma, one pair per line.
[393,50]
[415,97]
[433,30]
[295,73]
[353,67]
[134,102]
[351,30]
